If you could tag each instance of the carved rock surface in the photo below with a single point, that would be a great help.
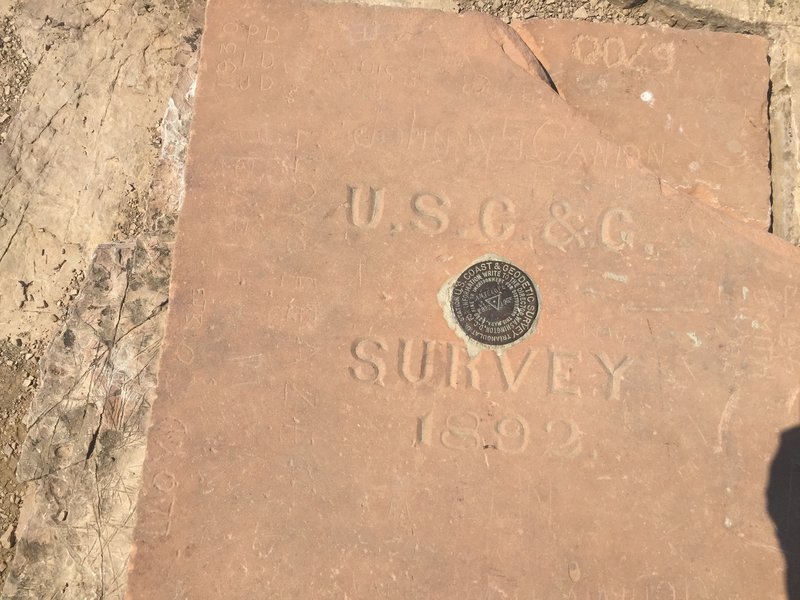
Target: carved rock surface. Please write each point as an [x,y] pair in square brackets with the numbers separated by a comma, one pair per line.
[778,20]
[691,105]
[82,457]
[320,430]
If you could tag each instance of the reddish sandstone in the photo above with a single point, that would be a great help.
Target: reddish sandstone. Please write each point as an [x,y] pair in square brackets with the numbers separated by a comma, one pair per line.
[320,431]
[690,105]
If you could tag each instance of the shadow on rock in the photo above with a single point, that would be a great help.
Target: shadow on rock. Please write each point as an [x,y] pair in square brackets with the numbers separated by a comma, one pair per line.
[783,504]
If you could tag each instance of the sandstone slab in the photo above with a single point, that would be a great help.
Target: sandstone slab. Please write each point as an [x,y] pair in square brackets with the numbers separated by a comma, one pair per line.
[691,105]
[778,20]
[320,429]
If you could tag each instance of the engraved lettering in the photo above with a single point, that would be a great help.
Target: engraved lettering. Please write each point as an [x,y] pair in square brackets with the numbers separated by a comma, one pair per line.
[364,32]
[586,49]
[461,432]
[511,378]
[665,53]
[193,320]
[430,206]
[454,354]
[424,430]
[447,365]
[267,60]
[535,141]
[513,434]
[374,368]
[571,445]
[489,219]
[267,36]
[306,315]
[169,435]
[669,591]
[297,397]
[559,231]
[164,481]
[561,373]
[164,515]
[509,434]
[185,353]
[366,135]
[615,373]
[295,429]
[655,154]
[359,216]
[271,35]
[475,85]
[426,361]
[620,239]
[224,68]
[614,54]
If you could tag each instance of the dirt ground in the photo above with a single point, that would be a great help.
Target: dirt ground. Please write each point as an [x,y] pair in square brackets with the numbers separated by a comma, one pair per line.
[18,356]
[18,370]
[630,12]
[21,352]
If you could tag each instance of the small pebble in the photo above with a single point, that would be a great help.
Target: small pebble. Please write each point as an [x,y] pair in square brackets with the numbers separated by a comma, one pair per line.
[580,13]
[5,539]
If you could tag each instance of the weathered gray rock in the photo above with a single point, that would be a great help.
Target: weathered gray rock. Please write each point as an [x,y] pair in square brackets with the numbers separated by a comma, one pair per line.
[727,13]
[87,426]
[785,132]
[83,144]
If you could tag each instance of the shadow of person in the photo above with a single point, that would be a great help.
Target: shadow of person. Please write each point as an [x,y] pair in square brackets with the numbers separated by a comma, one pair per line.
[783,504]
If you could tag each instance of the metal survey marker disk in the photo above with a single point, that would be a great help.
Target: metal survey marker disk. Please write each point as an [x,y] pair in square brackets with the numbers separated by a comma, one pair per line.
[494,302]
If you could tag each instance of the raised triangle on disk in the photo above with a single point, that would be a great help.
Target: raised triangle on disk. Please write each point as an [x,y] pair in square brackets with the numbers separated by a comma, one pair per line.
[494,301]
